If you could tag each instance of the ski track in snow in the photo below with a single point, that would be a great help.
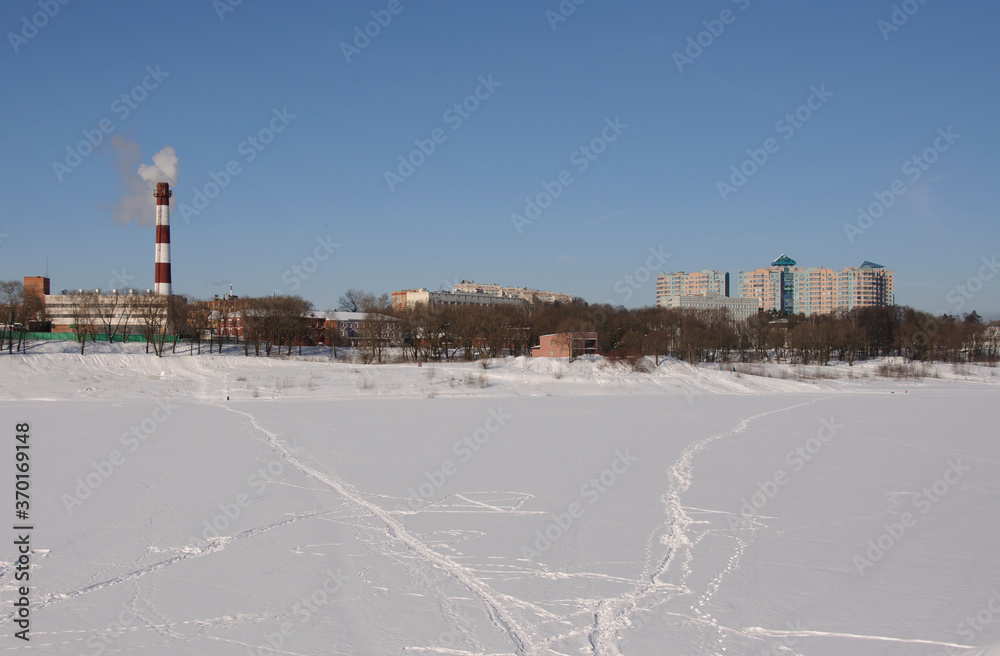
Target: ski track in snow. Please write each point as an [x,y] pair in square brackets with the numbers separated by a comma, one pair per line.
[494,601]
[671,551]
[612,615]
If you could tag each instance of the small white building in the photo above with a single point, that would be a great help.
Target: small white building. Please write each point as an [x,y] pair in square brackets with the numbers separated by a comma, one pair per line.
[740,309]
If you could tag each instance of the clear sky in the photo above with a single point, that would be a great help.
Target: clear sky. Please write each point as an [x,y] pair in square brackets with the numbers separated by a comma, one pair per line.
[663,119]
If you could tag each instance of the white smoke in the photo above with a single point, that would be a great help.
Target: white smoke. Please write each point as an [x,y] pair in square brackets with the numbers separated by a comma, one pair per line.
[163,168]
[137,181]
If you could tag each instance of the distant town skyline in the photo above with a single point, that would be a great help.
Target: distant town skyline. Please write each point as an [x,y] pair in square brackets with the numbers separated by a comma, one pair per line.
[570,147]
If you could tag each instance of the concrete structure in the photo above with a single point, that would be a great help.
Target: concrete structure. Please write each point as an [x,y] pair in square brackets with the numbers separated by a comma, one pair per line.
[531,295]
[739,309]
[696,283]
[129,310]
[771,286]
[162,272]
[789,289]
[869,285]
[565,345]
[412,297]
[815,291]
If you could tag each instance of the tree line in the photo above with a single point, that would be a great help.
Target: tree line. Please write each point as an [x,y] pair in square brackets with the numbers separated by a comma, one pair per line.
[471,332]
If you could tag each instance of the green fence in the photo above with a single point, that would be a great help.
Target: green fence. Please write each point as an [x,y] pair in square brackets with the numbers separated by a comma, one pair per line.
[102,337]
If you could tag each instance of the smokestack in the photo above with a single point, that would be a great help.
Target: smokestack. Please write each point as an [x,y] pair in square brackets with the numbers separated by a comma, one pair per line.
[162,278]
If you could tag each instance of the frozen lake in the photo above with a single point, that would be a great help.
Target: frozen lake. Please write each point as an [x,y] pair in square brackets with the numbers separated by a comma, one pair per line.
[330,508]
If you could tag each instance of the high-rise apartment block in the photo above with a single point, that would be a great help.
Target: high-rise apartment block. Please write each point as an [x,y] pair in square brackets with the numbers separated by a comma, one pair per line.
[696,283]
[790,289]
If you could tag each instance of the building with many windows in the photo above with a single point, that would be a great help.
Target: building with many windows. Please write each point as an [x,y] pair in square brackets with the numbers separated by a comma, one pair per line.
[696,283]
[412,297]
[531,295]
[866,286]
[739,309]
[790,289]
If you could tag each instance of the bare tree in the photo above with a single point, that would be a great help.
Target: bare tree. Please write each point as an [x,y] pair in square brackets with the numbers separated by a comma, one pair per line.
[11,303]
[83,311]
[332,336]
[197,323]
[153,314]
[354,300]
[113,312]
[251,316]
[378,327]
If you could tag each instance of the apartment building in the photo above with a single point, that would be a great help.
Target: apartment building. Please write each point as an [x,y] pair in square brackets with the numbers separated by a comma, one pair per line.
[695,283]
[531,295]
[787,288]
[412,297]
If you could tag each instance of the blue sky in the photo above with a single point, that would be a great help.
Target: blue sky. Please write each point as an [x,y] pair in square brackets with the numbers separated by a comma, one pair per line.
[552,87]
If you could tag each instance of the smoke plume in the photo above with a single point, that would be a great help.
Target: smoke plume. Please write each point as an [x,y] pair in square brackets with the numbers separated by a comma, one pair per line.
[136,181]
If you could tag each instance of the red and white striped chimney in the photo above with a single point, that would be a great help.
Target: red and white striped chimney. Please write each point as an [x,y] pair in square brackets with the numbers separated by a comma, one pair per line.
[162,278]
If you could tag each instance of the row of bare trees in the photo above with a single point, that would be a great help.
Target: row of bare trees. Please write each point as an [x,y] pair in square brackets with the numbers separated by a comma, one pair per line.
[472,332]
[469,332]
[119,316]
[273,321]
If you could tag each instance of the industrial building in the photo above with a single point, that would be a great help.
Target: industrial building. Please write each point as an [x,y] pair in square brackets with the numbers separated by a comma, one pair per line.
[128,310]
[125,310]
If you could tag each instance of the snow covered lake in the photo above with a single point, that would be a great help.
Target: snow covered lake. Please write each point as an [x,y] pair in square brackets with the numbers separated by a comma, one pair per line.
[529,508]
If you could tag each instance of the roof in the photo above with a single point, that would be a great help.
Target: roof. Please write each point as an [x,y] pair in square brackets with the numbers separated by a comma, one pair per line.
[332,315]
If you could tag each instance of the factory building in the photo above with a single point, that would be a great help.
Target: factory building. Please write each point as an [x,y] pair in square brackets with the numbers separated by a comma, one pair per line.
[127,310]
